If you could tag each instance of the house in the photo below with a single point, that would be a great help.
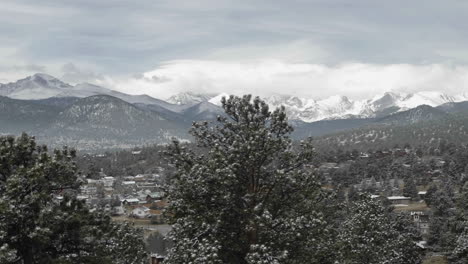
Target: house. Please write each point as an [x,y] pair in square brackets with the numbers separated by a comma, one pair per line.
[364,155]
[128,183]
[88,190]
[141,212]
[422,194]
[399,199]
[154,196]
[108,181]
[421,220]
[130,201]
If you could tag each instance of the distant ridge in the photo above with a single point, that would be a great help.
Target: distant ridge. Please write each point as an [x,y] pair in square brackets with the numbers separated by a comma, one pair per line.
[43,86]
[91,117]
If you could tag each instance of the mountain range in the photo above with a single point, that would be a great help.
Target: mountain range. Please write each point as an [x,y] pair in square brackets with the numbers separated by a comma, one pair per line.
[91,117]
[422,126]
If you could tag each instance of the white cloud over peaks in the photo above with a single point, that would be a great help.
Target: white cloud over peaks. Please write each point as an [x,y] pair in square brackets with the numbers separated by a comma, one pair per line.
[266,77]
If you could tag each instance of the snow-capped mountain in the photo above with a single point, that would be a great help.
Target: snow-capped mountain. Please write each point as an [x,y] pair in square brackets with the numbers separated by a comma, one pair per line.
[189,98]
[89,116]
[309,110]
[43,86]
[408,101]
[341,107]
[38,86]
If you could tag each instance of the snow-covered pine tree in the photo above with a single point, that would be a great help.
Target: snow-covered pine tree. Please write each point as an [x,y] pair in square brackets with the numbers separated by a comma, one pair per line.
[460,252]
[409,189]
[460,246]
[247,196]
[35,228]
[370,234]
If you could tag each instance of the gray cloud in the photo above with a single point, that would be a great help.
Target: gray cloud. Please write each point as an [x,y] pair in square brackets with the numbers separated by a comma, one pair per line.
[126,33]
[30,68]
[123,37]
[318,81]
[74,74]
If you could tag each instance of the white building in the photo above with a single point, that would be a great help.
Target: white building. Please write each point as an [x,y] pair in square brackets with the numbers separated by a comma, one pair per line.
[108,181]
[399,199]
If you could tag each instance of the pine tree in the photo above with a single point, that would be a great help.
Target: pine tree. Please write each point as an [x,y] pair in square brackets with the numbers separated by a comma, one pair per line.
[370,235]
[443,230]
[34,228]
[353,194]
[430,196]
[409,190]
[460,248]
[460,253]
[250,197]
[462,201]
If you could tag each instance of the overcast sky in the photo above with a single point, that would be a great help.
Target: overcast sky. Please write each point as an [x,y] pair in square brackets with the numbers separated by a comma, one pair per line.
[313,48]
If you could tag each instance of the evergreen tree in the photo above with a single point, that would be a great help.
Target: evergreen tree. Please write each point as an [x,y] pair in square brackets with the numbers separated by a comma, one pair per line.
[34,228]
[460,249]
[462,201]
[409,190]
[443,229]
[460,253]
[353,194]
[157,243]
[250,198]
[430,196]
[370,235]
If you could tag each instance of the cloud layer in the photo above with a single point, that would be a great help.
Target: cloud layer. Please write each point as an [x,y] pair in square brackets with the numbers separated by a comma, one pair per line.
[313,48]
[127,36]
[266,77]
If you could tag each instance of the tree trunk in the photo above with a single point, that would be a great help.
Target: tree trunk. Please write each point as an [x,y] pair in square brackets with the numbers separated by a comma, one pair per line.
[28,257]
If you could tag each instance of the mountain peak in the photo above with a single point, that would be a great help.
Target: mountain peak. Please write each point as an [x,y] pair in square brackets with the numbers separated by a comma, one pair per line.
[43,76]
[189,98]
[37,86]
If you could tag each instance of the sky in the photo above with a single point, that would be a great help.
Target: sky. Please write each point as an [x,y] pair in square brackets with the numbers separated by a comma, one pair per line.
[313,48]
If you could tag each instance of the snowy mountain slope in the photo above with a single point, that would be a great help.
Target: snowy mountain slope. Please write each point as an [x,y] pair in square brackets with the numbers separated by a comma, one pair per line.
[413,115]
[341,107]
[104,110]
[103,120]
[38,86]
[19,115]
[86,89]
[423,125]
[189,98]
[43,86]
[454,107]
[203,111]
